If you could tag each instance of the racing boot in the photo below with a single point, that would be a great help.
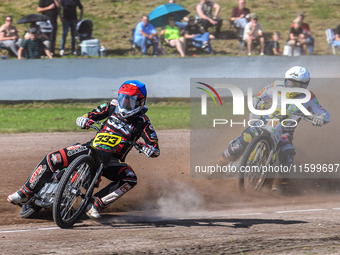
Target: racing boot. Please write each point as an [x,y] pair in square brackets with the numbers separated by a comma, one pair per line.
[93,212]
[17,198]
[280,187]
[225,160]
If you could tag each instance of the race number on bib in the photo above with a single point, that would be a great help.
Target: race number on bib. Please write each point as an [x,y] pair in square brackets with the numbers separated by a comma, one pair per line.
[106,140]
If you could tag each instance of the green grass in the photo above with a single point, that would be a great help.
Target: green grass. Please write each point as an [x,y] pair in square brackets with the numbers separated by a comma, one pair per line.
[113,20]
[56,117]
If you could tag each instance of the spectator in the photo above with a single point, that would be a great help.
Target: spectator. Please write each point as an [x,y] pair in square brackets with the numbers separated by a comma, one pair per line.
[307,33]
[179,24]
[146,35]
[172,36]
[272,48]
[197,34]
[253,33]
[43,37]
[9,36]
[207,19]
[336,41]
[50,8]
[69,19]
[296,36]
[33,46]
[239,17]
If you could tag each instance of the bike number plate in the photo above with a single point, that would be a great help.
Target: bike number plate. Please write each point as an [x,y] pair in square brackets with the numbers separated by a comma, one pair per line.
[107,141]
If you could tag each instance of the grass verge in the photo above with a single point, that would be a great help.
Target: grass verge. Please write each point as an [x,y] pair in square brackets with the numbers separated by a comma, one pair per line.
[57,117]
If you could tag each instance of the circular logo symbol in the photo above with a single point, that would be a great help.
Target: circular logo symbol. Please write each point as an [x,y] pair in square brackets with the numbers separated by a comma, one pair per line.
[247,137]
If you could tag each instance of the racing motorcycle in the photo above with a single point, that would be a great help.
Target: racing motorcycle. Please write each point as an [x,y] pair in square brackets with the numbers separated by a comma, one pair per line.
[82,176]
[261,153]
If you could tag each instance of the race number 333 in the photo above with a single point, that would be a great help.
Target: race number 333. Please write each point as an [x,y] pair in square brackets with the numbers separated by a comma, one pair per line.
[107,139]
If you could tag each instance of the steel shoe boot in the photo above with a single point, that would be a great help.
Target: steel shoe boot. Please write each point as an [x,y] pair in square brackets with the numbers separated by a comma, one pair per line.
[93,212]
[223,161]
[17,198]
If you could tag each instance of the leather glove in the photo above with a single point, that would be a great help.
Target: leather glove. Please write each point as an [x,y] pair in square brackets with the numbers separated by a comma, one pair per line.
[84,122]
[148,150]
[318,121]
[262,105]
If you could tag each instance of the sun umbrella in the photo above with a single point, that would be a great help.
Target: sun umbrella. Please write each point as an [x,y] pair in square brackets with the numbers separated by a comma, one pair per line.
[32,18]
[159,16]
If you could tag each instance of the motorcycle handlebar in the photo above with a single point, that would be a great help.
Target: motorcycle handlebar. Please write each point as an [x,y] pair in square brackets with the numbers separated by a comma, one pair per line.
[95,127]
[308,118]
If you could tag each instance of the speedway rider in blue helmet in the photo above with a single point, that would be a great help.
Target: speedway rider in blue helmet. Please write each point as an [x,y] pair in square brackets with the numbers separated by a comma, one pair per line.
[125,117]
[295,77]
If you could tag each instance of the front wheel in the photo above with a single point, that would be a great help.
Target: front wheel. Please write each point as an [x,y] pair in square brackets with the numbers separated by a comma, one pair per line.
[71,199]
[251,176]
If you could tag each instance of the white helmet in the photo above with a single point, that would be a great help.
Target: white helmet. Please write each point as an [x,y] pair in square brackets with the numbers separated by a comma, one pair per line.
[297,77]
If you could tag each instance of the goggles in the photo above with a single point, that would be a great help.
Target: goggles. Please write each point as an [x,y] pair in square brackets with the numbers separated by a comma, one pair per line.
[289,83]
[127,102]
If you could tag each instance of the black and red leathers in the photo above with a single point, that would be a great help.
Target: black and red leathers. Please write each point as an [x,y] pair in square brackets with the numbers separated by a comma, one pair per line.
[121,174]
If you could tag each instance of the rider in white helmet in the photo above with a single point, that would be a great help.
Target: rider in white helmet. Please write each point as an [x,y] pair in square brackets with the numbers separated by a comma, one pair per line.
[295,77]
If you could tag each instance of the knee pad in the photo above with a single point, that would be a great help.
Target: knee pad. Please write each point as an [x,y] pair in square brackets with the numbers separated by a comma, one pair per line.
[126,174]
[57,160]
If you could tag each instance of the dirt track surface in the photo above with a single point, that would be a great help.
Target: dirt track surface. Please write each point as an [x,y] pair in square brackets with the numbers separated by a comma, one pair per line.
[169,212]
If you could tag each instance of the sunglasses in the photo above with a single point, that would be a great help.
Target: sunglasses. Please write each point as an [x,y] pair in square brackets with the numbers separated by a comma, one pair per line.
[8,20]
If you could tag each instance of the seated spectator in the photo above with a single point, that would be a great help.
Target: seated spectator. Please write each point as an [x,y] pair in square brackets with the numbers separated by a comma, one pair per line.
[239,17]
[206,18]
[296,35]
[33,46]
[179,24]
[253,33]
[307,33]
[146,35]
[9,36]
[43,37]
[336,41]
[272,48]
[197,34]
[172,36]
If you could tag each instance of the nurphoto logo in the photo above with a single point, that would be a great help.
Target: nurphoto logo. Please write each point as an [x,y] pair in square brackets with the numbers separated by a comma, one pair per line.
[238,99]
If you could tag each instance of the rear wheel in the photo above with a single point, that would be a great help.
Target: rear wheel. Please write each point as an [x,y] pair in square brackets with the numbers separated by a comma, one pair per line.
[71,200]
[252,176]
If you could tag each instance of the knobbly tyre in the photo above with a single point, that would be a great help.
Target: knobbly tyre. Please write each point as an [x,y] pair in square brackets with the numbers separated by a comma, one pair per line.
[261,154]
[82,176]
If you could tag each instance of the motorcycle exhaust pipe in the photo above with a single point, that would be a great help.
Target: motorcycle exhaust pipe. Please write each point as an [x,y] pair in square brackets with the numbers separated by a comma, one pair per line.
[43,204]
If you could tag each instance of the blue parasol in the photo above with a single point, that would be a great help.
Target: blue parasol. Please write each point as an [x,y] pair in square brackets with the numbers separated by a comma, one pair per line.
[159,16]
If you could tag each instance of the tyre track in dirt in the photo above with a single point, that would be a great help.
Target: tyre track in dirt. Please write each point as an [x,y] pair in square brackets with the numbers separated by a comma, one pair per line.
[168,212]
[275,229]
